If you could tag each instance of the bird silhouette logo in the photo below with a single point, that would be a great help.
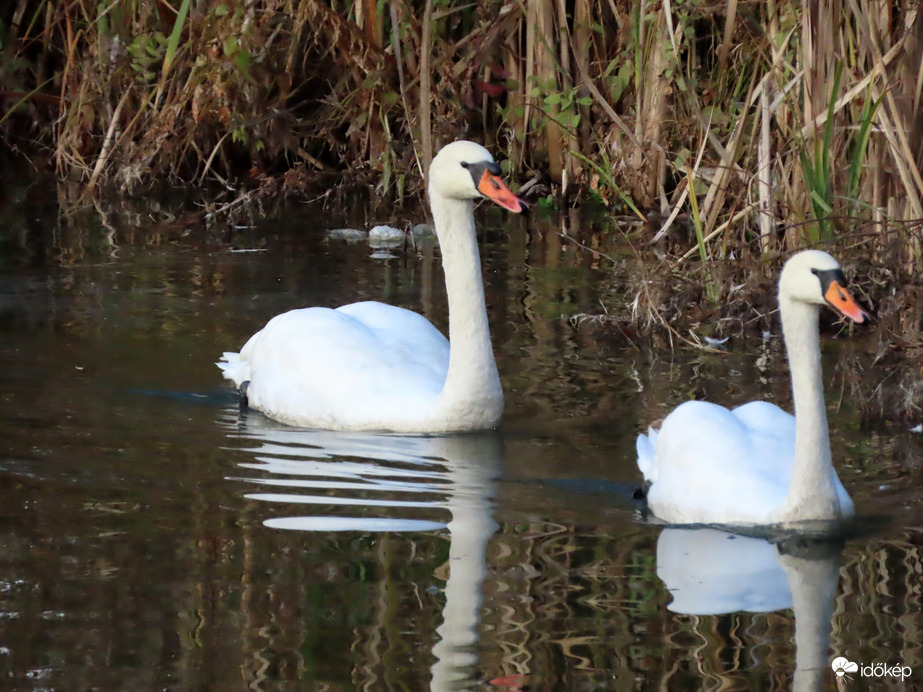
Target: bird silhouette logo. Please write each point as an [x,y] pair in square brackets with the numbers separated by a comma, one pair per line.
[841,666]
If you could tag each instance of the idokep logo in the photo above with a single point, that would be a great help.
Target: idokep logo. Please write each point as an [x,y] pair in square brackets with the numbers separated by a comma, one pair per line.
[842,666]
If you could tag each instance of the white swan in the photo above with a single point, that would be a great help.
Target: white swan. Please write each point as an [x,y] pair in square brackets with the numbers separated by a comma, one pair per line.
[757,464]
[371,366]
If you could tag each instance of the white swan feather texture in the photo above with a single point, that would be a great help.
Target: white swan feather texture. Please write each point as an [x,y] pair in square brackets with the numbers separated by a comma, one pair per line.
[371,366]
[757,464]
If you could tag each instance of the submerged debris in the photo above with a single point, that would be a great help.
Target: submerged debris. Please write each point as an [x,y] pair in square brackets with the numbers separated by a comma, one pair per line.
[350,235]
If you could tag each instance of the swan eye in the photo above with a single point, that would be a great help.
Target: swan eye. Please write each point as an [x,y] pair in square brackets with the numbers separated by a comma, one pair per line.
[465,164]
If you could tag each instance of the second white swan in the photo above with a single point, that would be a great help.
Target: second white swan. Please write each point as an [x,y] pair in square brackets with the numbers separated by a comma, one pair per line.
[757,464]
[371,366]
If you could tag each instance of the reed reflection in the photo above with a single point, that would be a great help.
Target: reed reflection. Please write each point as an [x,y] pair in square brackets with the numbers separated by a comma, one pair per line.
[711,572]
[388,483]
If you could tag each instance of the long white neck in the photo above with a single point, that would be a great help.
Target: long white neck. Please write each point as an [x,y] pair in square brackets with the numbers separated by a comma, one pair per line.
[812,493]
[472,394]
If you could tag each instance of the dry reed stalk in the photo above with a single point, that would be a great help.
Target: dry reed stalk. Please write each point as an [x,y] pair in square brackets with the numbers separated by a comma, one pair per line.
[725,47]
[426,47]
[517,99]
[817,41]
[540,27]
[810,127]
[680,203]
[581,47]
[528,27]
[651,110]
[901,150]
[402,85]
[567,134]
[901,155]
[610,112]
[717,191]
[764,175]
[106,149]
[819,24]
[743,213]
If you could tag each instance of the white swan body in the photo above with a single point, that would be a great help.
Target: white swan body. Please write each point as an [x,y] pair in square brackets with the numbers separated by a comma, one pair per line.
[371,366]
[757,464]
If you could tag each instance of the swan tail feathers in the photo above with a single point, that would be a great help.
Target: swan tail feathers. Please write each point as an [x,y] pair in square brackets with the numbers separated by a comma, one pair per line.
[234,368]
[647,455]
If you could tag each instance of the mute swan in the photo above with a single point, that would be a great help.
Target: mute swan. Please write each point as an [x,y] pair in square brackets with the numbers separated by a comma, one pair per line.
[757,464]
[371,366]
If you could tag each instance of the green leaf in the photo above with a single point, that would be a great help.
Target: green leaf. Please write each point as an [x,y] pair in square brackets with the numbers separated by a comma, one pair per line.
[173,43]
[230,46]
[243,61]
[820,202]
[552,99]
[221,10]
[102,24]
[136,48]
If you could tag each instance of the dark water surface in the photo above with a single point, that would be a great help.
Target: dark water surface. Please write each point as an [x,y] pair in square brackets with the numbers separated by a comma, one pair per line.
[153,538]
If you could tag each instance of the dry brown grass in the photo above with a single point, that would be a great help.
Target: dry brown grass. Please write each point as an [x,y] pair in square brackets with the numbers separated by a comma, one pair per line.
[611,98]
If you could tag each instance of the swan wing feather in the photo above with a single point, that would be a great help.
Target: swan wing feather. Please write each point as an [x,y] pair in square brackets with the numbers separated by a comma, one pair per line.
[366,362]
[713,466]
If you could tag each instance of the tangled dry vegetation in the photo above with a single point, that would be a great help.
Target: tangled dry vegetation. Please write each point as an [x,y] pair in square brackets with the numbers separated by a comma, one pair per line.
[768,123]
[734,128]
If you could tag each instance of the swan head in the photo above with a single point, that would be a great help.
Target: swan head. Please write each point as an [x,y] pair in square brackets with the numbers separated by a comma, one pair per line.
[814,277]
[465,170]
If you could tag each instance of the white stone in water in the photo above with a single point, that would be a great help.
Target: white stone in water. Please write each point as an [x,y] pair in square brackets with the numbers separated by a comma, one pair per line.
[386,236]
[423,230]
[386,232]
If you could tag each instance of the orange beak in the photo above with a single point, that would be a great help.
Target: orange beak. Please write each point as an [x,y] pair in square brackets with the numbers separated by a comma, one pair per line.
[840,300]
[493,189]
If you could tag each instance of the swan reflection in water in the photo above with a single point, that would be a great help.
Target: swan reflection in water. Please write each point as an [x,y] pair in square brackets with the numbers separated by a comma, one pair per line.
[402,479]
[712,572]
